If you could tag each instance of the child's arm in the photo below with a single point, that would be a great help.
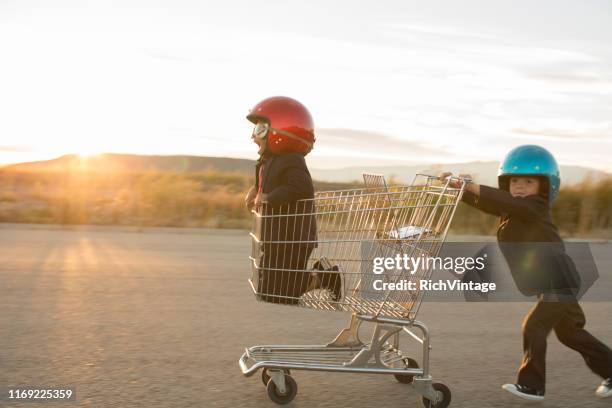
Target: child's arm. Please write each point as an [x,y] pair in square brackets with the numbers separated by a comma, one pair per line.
[495,201]
[471,196]
[533,207]
[471,193]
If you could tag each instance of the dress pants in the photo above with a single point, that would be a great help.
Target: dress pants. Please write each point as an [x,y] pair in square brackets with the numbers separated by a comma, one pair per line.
[567,319]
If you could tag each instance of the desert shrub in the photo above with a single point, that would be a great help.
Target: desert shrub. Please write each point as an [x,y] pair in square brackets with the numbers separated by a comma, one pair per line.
[215,199]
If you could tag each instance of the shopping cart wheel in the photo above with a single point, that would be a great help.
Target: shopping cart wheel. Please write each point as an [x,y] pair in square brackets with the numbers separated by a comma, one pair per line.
[444,397]
[265,377]
[287,396]
[407,378]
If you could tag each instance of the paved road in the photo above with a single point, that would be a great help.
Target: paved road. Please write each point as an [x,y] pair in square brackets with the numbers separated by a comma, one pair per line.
[158,318]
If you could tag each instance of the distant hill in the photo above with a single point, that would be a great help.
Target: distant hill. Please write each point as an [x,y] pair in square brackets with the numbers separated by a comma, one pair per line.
[112,162]
[483,172]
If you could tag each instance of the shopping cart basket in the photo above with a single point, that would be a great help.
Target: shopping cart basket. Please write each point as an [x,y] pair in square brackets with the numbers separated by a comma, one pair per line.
[324,253]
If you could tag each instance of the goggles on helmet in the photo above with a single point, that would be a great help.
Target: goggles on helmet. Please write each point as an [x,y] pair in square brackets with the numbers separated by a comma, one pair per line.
[260,131]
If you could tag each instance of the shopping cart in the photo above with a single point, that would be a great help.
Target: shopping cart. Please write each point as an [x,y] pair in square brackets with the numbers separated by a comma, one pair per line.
[322,254]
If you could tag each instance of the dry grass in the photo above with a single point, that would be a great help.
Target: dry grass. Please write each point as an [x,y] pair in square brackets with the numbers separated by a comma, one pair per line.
[207,199]
[215,199]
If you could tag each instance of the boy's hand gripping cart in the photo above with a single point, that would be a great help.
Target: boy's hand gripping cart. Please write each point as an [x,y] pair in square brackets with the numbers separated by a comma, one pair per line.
[353,228]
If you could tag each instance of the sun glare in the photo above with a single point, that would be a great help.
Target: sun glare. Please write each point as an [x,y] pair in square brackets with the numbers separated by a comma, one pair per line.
[86,152]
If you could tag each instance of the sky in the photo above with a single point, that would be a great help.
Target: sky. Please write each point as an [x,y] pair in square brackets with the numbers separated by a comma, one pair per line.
[390,82]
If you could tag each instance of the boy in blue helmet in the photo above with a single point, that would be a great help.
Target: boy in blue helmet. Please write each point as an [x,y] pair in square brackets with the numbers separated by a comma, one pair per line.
[528,184]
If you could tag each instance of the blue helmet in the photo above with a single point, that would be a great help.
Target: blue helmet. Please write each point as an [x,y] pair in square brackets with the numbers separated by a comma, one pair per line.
[531,160]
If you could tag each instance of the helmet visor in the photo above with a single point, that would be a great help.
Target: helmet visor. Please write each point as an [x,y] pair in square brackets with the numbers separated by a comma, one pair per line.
[260,131]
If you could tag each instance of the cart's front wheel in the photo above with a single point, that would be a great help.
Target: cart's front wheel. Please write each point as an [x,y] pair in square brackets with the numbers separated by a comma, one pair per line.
[443,394]
[282,398]
[407,378]
[265,377]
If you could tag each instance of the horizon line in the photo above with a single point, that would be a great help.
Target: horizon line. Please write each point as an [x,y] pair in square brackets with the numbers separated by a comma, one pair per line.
[82,156]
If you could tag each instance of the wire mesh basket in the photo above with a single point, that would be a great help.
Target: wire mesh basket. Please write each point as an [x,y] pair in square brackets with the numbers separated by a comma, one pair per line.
[333,252]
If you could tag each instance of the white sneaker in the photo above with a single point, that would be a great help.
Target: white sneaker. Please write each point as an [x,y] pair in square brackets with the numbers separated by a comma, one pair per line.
[524,392]
[605,389]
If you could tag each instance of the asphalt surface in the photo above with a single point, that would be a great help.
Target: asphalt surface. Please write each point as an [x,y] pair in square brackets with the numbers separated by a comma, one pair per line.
[159,318]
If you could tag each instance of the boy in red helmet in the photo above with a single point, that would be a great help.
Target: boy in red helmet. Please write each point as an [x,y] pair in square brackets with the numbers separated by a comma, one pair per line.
[284,132]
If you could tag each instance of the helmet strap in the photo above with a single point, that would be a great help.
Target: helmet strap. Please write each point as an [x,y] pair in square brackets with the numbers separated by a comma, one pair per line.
[291,136]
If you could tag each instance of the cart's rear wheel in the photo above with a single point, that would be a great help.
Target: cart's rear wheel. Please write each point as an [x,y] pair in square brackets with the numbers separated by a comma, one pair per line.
[407,378]
[265,377]
[444,397]
[287,396]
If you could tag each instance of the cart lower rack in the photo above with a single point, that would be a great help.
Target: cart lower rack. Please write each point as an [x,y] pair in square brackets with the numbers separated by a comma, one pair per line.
[324,254]
[347,353]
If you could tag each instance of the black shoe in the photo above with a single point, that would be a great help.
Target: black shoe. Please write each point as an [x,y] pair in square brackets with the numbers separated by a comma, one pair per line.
[322,264]
[334,283]
[330,279]
[524,392]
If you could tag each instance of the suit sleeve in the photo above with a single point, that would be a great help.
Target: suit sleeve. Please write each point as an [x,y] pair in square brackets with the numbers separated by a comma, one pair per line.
[297,184]
[529,208]
[475,201]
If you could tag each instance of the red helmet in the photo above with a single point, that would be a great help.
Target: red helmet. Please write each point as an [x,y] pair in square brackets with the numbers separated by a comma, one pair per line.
[285,123]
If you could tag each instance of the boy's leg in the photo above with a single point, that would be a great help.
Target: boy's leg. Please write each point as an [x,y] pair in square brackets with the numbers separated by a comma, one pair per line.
[283,278]
[266,278]
[537,325]
[297,283]
[273,274]
[570,331]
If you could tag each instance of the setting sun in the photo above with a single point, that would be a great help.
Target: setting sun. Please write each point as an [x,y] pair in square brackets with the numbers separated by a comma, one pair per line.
[85,154]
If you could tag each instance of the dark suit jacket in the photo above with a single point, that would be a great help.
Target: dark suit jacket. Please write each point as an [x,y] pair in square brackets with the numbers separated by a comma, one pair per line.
[286,180]
[529,241]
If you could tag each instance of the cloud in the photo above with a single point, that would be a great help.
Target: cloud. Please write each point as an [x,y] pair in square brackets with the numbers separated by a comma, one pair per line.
[571,78]
[162,55]
[371,142]
[406,30]
[566,134]
[15,149]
